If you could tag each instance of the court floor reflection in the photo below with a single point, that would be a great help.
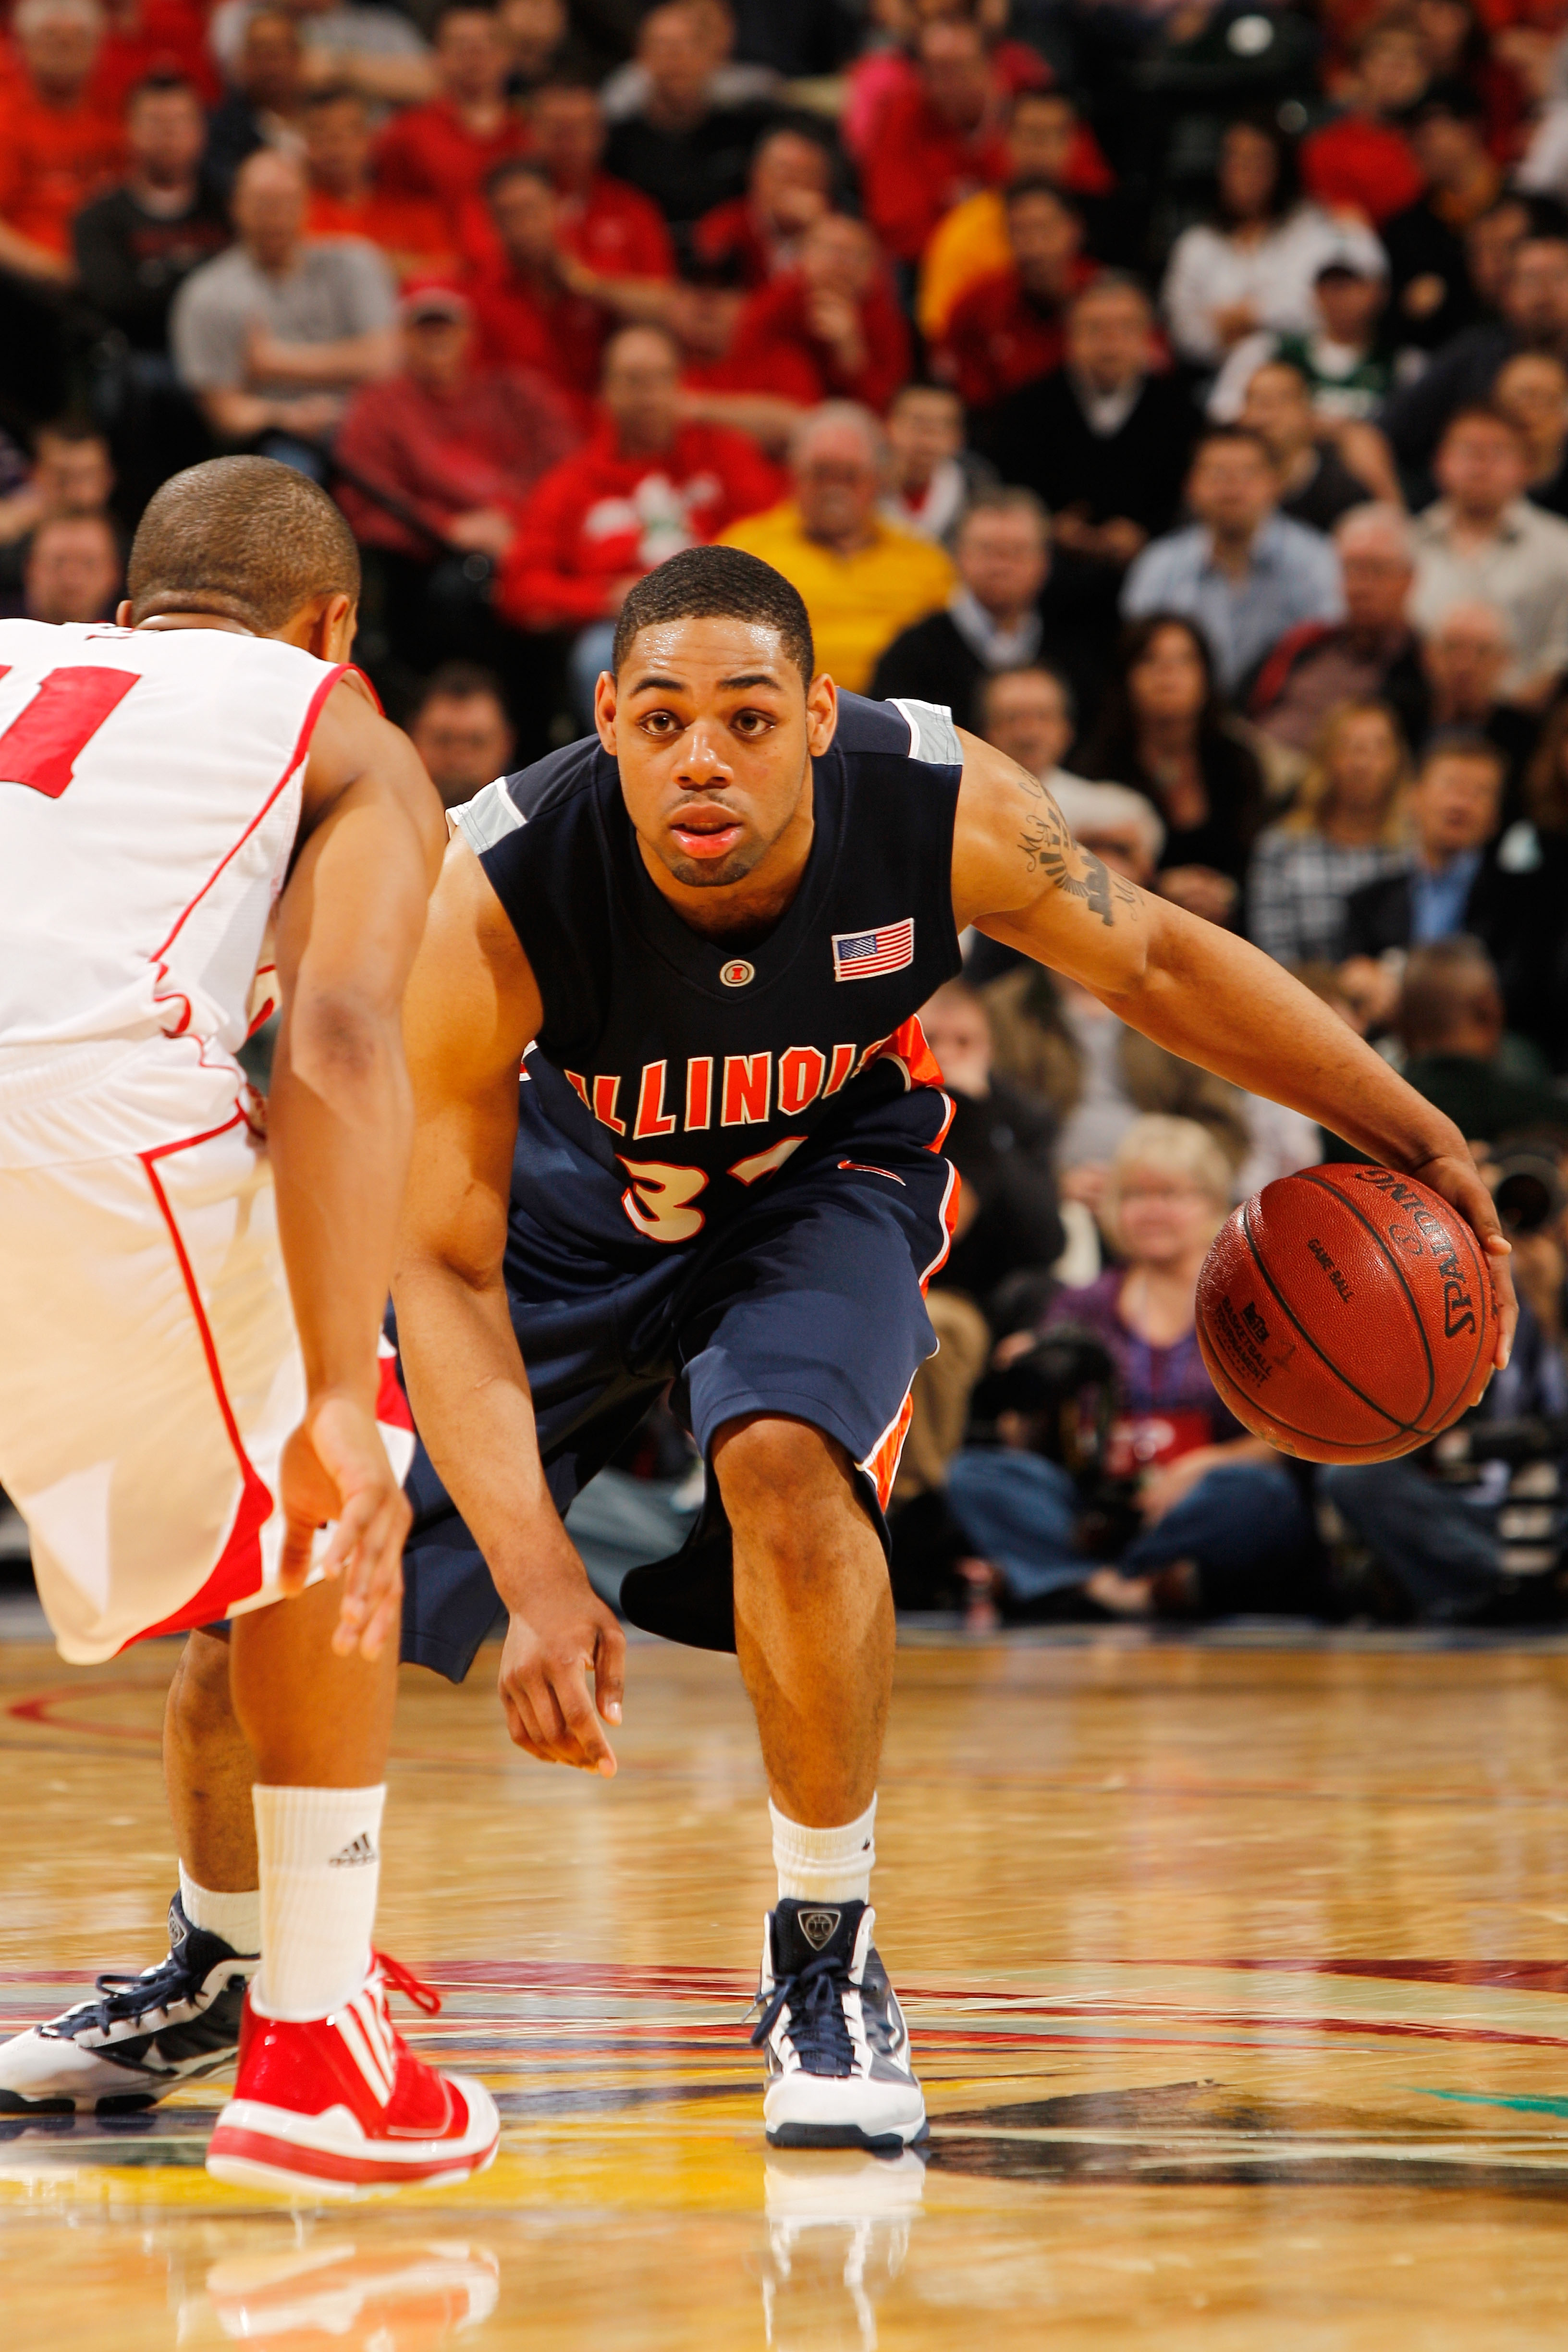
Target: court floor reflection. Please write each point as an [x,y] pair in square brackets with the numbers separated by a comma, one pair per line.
[1234,1973]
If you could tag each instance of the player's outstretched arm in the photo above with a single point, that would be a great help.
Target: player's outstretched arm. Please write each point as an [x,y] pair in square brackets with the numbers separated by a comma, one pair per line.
[339,1122]
[1021,878]
[472,1007]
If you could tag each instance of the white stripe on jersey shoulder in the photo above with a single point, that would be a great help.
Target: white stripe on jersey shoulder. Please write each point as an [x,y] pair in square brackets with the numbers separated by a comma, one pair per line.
[488,818]
[934,738]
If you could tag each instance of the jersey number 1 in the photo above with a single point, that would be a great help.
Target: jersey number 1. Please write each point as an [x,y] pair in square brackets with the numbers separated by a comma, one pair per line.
[40,748]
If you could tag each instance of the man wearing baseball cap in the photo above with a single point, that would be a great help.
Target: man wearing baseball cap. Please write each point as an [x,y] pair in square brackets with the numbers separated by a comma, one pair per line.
[437,461]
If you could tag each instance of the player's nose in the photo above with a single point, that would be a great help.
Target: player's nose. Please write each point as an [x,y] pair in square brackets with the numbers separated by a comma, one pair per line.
[702,760]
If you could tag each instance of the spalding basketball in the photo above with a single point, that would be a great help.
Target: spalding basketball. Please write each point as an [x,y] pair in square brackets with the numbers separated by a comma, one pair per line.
[1346,1314]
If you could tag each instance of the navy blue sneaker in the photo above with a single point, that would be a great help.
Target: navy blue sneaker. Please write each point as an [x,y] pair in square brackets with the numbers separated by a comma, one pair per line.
[836,2046]
[142,2036]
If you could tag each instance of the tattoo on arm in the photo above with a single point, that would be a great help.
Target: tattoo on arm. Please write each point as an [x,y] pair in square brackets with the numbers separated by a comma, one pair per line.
[1050,848]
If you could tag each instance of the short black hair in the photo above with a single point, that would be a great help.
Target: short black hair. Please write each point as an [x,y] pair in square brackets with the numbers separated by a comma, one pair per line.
[704,583]
[1462,743]
[517,167]
[242,536]
[1016,191]
[162,82]
[1451,96]
[1228,436]
[73,428]
[459,681]
[332,93]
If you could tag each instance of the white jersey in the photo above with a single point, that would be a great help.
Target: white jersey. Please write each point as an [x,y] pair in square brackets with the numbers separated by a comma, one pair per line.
[150,793]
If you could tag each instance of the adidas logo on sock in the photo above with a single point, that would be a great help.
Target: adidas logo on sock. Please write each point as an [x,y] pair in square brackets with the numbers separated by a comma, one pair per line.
[358,1850]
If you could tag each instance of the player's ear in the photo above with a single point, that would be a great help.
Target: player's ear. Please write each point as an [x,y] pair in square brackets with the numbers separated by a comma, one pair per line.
[604,709]
[337,625]
[125,613]
[821,714]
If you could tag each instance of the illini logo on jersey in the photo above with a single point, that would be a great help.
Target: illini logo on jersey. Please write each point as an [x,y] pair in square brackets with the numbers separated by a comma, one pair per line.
[864,955]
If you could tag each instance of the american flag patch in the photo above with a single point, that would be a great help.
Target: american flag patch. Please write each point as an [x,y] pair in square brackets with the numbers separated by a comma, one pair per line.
[861,955]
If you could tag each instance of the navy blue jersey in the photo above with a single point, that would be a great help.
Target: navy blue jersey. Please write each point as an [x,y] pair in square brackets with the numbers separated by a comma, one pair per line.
[672,1074]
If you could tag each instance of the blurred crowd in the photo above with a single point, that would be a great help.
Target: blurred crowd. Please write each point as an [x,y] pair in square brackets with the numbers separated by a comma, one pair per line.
[1177,389]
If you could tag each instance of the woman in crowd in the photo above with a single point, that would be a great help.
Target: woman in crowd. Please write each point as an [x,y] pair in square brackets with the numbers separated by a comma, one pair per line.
[1224,1521]
[1346,828]
[1254,264]
[1164,730]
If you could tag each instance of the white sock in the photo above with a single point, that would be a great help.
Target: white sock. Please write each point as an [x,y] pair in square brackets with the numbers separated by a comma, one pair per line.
[236,1917]
[320,1869]
[825,1865]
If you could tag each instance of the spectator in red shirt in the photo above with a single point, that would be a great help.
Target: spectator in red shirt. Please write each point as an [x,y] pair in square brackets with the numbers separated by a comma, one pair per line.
[828,329]
[456,445]
[875,78]
[446,148]
[937,143]
[645,486]
[1007,330]
[455,450]
[413,232]
[1364,159]
[58,147]
[610,227]
[528,310]
[147,38]
[752,239]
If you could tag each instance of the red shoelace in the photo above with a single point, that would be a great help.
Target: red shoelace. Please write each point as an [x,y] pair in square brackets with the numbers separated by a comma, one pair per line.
[398,1978]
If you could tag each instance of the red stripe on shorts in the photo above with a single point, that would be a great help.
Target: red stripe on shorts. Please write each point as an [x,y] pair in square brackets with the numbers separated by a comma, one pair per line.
[237,1572]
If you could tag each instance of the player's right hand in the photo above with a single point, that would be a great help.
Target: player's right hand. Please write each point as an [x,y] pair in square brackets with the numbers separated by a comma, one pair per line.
[559,1635]
[335,1469]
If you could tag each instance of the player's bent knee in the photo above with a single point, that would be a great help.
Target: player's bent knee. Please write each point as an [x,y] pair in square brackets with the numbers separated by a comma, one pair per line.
[201,1701]
[777,1477]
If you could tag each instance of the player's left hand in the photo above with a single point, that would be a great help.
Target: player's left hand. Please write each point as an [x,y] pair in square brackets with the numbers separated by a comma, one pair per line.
[335,1469]
[558,1633]
[1459,1181]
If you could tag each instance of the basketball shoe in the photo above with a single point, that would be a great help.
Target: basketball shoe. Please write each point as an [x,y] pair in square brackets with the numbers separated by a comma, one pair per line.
[836,2046]
[142,2036]
[335,2105]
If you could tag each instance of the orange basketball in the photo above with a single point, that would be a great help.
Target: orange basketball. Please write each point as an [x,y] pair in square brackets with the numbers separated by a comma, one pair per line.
[1346,1314]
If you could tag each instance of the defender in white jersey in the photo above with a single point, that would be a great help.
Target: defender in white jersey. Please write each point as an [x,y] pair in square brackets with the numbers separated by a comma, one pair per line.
[152,792]
[201,811]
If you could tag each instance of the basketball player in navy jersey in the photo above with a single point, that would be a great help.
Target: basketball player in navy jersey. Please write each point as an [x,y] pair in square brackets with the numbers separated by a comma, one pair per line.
[709,931]
[704,934]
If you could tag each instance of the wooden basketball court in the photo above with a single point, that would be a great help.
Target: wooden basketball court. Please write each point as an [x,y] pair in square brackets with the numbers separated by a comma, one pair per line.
[1234,1971]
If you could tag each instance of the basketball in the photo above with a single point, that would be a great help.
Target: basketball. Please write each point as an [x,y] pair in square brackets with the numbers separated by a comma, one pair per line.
[1346,1314]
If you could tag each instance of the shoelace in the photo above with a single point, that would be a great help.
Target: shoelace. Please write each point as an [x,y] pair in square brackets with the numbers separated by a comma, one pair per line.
[814,1998]
[397,1978]
[130,1997]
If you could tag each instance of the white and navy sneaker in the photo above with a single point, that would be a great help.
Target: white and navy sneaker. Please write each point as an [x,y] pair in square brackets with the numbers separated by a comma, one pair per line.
[142,2036]
[837,2048]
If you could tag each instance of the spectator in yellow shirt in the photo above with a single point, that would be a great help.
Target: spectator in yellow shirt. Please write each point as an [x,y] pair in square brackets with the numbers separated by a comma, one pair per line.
[861,578]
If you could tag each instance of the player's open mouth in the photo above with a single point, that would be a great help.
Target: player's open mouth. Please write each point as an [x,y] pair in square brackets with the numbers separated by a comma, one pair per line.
[706,833]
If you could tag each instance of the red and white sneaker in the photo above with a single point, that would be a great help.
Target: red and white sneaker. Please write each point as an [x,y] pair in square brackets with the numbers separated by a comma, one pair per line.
[337,2105]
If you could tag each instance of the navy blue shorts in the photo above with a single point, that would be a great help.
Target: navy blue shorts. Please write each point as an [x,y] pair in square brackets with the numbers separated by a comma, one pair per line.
[809,1302]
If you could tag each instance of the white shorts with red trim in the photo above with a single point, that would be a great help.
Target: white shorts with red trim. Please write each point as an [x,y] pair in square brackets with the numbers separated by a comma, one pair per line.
[150,1369]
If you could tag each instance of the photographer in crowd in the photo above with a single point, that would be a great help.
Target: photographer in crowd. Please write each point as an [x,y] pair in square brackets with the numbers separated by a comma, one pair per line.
[1224,1521]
